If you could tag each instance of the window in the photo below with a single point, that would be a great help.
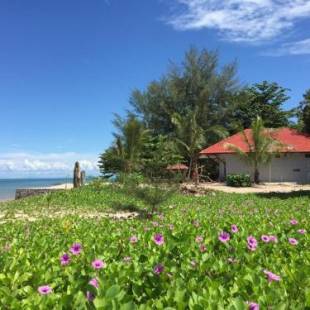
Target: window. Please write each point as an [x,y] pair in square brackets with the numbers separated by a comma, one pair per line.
[307,155]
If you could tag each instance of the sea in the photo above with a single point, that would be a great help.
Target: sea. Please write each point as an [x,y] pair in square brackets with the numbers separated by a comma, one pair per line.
[9,186]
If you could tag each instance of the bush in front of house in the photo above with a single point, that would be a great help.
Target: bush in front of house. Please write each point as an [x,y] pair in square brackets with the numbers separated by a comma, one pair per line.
[239,180]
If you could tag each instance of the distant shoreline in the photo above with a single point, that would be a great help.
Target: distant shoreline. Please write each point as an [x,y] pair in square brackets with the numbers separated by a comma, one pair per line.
[8,187]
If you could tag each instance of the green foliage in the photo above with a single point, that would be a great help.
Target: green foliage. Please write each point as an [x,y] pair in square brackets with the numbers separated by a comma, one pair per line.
[124,155]
[198,82]
[130,179]
[238,180]
[158,152]
[264,100]
[221,276]
[304,113]
[151,193]
[261,145]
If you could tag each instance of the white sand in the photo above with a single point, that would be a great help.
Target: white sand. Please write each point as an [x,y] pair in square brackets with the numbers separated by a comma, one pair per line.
[62,186]
[261,188]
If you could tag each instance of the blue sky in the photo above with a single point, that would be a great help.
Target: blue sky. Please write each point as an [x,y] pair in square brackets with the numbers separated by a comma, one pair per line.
[67,65]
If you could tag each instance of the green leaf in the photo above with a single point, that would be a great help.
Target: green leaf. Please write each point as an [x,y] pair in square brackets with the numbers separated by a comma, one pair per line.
[112,291]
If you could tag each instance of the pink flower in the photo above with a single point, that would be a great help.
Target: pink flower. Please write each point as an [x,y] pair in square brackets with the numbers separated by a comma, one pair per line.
[94,282]
[252,243]
[98,264]
[65,259]
[294,222]
[301,231]
[199,239]
[133,239]
[45,289]
[159,239]
[158,269]
[224,236]
[234,228]
[76,249]
[271,276]
[265,238]
[127,259]
[253,305]
[155,224]
[273,239]
[292,241]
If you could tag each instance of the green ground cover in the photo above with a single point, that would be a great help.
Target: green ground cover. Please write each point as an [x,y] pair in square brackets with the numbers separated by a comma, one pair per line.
[188,256]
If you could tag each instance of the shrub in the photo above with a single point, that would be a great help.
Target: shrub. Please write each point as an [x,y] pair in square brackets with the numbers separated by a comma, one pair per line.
[239,180]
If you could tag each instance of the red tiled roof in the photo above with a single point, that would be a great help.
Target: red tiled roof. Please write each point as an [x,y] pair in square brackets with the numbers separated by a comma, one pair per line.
[177,167]
[293,141]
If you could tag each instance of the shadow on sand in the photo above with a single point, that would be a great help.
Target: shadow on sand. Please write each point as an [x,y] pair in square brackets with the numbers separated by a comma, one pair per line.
[130,208]
[294,194]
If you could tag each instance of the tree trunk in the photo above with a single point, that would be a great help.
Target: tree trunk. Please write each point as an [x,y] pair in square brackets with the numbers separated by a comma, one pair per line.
[190,168]
[195,173]
[256,176]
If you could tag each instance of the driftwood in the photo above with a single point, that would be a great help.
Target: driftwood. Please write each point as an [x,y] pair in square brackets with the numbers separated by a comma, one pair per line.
[83,176]
[77,175]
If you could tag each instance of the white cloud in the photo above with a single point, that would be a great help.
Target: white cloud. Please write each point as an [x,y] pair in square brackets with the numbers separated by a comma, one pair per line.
[248,21]
[60,164]
[291,48]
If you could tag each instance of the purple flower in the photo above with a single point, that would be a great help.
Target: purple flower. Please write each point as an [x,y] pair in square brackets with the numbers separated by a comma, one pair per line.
[271,276]
[65,259]
[253,305]
[45,289]
[252,243]
[292,241]
[158,269]
[234,228]
[159,239]
[273,239]
[265,238]
[76,249]
[294,222]
[224,236]
[94,282]
[98,264]
[199,239]
[90,296]
[133,239]
[301,231]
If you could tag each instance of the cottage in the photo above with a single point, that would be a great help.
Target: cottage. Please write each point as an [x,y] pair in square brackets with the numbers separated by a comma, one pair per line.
[291,164]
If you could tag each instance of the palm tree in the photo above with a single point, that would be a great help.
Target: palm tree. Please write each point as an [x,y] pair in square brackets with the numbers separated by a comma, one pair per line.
[191,137]
[129,140]
[262,147]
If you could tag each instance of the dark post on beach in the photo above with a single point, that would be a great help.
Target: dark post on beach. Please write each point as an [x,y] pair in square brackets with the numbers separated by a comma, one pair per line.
[77,175]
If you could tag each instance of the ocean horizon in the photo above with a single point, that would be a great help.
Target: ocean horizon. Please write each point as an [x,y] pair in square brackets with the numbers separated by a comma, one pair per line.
[9,186]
